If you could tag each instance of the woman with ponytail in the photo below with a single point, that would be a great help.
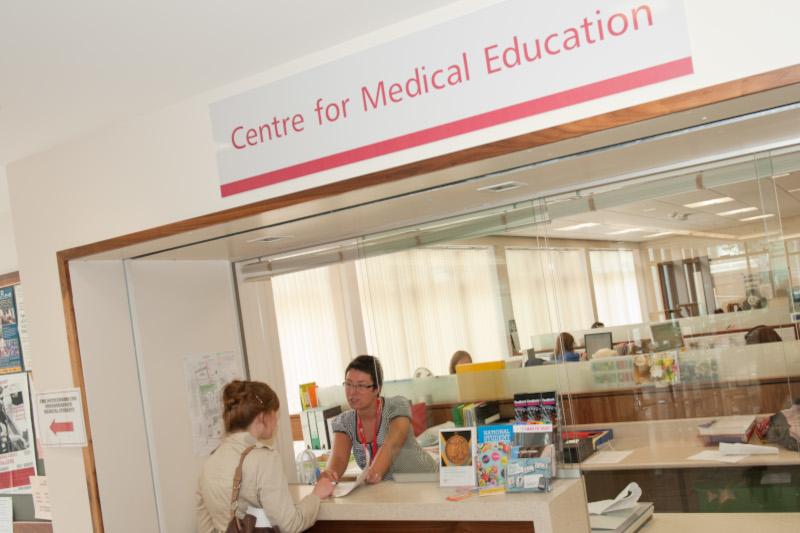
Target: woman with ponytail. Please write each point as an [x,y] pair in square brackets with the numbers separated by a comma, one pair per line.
[250,413]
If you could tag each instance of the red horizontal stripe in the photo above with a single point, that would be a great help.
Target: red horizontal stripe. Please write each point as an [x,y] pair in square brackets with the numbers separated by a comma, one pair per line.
[585,93]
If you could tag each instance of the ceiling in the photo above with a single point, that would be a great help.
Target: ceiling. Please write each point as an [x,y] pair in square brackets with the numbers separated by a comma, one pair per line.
[69,68]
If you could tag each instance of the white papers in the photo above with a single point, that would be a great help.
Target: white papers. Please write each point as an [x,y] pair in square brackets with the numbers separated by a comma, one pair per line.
[261,516]
[607,457]
[6,516]
[714,455]
[624,500]
[206,375]
[343,489]
[41,498]
[738,448]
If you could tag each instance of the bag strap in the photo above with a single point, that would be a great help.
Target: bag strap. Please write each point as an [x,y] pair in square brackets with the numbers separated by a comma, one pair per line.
[237,482]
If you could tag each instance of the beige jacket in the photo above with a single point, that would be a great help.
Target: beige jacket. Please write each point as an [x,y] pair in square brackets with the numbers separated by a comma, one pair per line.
[263,485]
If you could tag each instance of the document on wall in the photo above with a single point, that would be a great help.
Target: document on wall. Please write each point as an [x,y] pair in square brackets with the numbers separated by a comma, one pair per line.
[206,375]
[41,498]
[6,516]
[17,457]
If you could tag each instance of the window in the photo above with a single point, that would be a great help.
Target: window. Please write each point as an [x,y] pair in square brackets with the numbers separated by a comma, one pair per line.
[549,292]
[615,286]
[312,328]
[420,306]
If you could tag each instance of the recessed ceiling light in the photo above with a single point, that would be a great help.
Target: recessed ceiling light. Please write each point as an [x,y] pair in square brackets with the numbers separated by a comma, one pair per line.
[271,238]
[629,230]
[578,226]
[659,234]
[748,219]
[500,187]
[704,203]
[737,211]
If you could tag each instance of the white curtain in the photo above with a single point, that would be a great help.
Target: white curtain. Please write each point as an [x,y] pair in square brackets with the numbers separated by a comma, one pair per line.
[420,306]
[312,329]
[549,293]
[615,287]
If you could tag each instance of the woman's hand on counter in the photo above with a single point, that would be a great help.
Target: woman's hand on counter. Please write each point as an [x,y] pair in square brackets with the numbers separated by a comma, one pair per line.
[374,476]
[323,488]
[330,475]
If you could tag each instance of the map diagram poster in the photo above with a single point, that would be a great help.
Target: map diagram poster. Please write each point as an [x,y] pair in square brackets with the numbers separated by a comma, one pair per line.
[17,458]
[206,375]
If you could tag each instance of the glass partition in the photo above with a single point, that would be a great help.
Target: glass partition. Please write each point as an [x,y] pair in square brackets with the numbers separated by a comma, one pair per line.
[677,269]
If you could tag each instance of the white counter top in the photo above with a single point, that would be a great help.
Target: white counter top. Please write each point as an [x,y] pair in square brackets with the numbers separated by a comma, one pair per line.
[561,510]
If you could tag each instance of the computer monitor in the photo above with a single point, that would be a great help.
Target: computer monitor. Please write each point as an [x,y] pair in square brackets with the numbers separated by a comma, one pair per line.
[667,336]
[595,342]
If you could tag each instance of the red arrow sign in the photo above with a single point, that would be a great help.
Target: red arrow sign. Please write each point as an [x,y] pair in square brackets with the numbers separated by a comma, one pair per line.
[55,427]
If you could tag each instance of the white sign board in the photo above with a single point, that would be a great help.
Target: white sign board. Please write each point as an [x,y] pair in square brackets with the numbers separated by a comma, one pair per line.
[59,415]
[502,63]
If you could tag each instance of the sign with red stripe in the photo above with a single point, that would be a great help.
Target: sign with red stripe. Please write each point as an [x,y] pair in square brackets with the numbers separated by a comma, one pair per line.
[506,62]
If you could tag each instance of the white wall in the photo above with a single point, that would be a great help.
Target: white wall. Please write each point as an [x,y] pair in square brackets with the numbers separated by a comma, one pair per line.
[160,168]
[8,245]
[109,363]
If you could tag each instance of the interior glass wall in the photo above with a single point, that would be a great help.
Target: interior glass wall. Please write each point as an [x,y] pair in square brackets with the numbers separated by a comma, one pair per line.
[678,267]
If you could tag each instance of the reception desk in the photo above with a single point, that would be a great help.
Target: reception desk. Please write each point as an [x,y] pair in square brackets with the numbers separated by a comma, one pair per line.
[423,507]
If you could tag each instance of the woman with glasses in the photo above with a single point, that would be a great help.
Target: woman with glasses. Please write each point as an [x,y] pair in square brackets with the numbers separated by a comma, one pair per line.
[376,429]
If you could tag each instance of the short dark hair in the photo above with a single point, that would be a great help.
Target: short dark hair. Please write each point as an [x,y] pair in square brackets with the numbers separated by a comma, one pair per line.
[369,365]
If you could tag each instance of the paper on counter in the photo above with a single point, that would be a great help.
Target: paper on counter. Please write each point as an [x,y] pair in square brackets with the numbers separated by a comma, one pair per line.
[739,448]
[714,455]
[343,489]
[607,457]
[624,500]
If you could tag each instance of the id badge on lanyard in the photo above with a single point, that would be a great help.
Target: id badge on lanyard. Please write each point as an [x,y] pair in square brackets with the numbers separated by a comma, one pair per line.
[370,456]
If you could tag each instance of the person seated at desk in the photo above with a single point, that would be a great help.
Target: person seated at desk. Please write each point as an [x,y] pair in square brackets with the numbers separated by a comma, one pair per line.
[761,334]
[565,349]
[598,325]
[376,430]
[459,358]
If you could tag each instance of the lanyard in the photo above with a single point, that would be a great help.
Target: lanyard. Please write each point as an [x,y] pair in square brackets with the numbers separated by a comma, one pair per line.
[375,438]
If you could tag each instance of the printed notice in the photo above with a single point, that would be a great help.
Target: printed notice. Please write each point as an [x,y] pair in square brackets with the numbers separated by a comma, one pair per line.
[17,458]
[59,415]
[206,375]
[41,498]
[6,516]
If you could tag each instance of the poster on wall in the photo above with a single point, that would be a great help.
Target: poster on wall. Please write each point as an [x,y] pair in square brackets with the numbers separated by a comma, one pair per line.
[17,457]
[22,328]
[206,375]
[10,350]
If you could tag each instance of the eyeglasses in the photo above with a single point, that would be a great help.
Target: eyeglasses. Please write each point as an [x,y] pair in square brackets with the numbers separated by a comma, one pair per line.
[360,387]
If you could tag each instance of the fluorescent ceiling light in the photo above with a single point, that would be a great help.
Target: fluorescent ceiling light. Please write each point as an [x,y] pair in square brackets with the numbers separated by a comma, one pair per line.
[776,176]
[648,210]
[794,190]
[629,230]
[500,187]
[748,219]
[659,234]
[578,226]
[704,203]
[271,238]
[737,211]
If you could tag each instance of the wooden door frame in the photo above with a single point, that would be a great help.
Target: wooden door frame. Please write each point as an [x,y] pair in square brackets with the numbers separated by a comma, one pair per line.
[651,110]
